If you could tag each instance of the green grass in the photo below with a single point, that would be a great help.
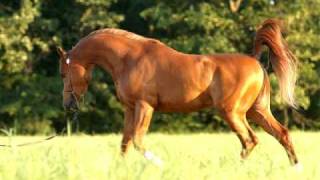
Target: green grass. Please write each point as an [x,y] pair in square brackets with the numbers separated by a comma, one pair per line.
[196,156]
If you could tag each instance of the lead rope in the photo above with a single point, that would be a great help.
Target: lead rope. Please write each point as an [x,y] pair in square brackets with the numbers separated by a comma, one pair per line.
[74,118]
[29,143]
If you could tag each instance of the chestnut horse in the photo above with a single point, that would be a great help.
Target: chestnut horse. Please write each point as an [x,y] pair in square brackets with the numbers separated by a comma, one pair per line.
[150,76]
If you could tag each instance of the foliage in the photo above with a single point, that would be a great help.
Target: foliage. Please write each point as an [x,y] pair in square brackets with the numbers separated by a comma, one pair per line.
[30,30]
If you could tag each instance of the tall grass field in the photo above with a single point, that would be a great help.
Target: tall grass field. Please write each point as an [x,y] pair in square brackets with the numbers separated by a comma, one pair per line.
[187,156]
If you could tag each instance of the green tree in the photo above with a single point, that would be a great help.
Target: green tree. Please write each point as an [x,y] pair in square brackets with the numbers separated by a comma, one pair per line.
[30,30]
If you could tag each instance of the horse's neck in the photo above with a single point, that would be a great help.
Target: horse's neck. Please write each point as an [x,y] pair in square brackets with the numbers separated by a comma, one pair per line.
[111,61]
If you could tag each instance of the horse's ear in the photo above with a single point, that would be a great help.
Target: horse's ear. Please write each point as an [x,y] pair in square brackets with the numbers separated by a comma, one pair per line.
[62,53]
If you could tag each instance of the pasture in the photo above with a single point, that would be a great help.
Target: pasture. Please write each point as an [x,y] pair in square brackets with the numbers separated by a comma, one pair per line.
[186,156]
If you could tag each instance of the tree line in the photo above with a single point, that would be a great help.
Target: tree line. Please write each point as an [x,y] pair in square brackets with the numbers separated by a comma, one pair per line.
[30,31]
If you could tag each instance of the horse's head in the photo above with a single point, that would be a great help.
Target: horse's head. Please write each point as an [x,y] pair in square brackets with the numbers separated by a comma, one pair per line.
[75,76]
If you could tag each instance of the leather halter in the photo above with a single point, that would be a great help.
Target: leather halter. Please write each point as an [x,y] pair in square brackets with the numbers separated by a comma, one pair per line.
[72,92]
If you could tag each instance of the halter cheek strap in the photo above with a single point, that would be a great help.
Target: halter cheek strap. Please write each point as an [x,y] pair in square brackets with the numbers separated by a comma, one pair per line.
[70,75]
[68,61]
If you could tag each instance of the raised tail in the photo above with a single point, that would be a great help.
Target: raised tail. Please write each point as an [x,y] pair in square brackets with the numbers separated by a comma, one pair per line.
[282,59]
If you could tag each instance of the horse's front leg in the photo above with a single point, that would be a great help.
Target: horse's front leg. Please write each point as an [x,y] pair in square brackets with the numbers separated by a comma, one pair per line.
[136,126]
[127,130]
[142,117]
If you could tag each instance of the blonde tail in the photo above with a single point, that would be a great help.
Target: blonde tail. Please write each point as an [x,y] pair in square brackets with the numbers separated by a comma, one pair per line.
[284,63]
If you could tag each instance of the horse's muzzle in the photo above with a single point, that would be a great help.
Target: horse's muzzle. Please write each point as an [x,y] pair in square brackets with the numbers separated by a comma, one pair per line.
[71,105]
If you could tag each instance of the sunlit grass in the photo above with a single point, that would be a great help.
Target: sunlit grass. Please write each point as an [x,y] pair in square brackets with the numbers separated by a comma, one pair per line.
[195,156]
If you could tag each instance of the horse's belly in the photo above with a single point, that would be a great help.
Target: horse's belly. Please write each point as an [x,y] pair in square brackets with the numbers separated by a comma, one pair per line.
[185,104]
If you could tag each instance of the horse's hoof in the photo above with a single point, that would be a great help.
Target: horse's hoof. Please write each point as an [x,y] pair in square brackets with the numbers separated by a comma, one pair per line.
[153,158]
[298,167]
[244,154]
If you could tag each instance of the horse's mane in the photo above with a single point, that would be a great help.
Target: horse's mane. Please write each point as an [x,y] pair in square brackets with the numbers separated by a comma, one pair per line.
[122,33]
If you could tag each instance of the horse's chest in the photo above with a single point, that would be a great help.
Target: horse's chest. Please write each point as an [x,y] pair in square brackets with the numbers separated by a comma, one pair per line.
[122,94]
[129,91]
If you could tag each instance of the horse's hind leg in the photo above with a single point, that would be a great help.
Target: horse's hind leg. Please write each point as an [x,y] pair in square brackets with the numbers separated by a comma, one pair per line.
[265,119]
[238,123]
